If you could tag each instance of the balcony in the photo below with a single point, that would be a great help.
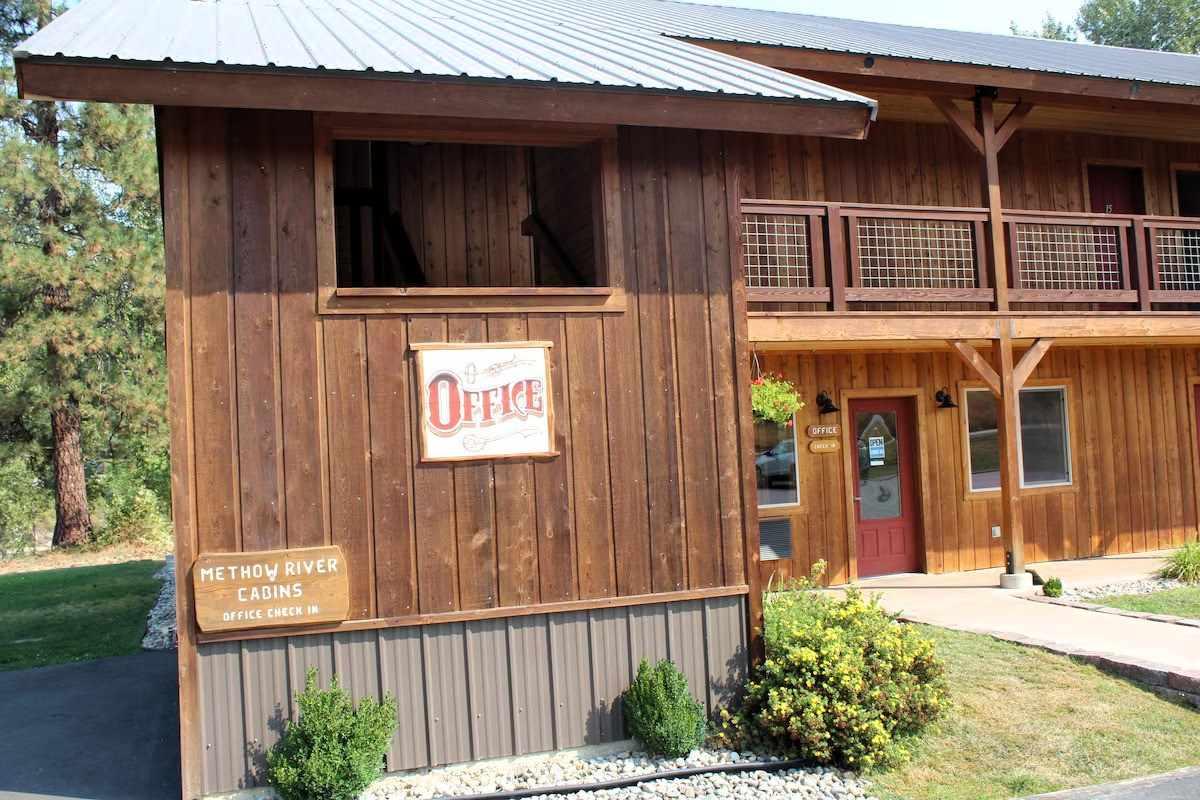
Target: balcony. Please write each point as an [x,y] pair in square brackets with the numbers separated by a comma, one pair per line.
[847,257]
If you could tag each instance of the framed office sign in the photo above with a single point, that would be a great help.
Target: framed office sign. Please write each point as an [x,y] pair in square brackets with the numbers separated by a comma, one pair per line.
[485,401]
[270,588]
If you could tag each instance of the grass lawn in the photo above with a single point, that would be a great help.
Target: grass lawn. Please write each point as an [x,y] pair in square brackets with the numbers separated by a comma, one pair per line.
[1181,602]
[58,615]
[1025,721]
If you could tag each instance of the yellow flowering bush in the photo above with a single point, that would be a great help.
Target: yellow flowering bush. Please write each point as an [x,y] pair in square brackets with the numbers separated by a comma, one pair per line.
[843,683]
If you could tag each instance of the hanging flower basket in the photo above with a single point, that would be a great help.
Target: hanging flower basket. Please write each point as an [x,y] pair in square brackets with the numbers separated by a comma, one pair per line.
[774,399]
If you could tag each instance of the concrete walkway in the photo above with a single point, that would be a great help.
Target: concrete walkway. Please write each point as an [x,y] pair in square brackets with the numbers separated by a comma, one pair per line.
[95,730]
[972,601]
[1183,784]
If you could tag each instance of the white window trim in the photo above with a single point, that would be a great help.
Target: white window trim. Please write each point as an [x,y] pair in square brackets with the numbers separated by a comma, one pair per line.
[795,471]
[1070,481]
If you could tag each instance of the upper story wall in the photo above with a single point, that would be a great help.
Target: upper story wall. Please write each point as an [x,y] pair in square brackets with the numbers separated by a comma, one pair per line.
[909,163]
[295,428]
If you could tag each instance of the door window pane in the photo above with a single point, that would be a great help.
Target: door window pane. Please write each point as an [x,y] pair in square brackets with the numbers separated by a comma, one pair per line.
[878,465]
[1045,456]
[775,464]
[1044,441]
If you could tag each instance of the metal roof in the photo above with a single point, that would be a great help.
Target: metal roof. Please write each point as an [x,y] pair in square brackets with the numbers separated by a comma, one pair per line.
[507,40]
[805,31]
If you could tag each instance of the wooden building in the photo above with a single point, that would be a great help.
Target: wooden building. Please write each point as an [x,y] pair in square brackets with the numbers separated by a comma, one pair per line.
[981,280]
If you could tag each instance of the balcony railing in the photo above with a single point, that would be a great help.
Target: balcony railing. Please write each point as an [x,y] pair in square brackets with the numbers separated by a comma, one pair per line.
[839,254]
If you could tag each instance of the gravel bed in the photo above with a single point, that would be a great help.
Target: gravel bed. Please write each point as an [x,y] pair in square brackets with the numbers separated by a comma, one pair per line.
[1088,594]
[805,784]
[560,769]
[160,622]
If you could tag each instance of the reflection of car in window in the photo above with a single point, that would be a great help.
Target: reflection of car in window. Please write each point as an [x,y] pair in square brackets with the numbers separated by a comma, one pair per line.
[777,462]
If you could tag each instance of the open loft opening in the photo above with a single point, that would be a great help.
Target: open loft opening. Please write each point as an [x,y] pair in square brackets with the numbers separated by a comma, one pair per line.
[429,214]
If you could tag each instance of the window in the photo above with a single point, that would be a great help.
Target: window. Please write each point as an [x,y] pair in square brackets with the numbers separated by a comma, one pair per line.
[463,215]
[775,464]
[423,218]
[1044,443]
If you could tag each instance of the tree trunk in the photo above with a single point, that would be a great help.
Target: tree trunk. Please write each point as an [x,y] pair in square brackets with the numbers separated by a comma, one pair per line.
[73,525]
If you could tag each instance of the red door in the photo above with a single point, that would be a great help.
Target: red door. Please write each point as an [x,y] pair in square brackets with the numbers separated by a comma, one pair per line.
[885,504]
[1116,189]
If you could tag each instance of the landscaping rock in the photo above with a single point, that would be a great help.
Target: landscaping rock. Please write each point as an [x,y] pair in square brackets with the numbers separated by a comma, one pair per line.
[563,769]
[160,623]
[1139,586]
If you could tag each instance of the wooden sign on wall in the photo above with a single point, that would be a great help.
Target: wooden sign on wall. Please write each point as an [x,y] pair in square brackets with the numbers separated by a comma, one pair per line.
[824,431]
[824,446]
[481,401]
[271,588]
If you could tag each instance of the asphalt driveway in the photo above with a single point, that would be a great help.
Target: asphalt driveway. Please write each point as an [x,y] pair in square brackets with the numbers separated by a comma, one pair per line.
[96,730]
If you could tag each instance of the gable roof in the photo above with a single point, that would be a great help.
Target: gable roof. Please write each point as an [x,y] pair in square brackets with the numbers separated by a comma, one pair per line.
[491,40]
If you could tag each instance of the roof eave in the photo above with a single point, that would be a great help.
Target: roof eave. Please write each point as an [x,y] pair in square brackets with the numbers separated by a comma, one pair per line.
[1018,79]
[172,84]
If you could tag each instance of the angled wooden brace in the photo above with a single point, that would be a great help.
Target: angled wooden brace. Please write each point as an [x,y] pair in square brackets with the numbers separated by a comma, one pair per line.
[960,121]
[1029,362]
[978,364]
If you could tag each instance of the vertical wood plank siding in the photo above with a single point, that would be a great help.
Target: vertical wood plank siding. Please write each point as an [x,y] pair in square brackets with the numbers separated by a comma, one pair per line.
[294,429]
[469,690]
[1131,435]
[304,426]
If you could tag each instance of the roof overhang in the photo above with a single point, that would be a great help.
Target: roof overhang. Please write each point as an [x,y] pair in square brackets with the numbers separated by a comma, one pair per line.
[169,84]
[1035,85]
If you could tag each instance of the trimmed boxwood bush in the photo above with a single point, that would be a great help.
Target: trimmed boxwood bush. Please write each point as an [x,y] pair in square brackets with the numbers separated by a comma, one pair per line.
[334,750]
[1052,588]
[661,713]
[843,683]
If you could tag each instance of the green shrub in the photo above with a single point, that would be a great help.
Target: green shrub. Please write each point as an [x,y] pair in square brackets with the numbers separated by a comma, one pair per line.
[1184,564]
[334,750]
[661,713]
[1052,587]
[25,503]
[135,517]
[843,683]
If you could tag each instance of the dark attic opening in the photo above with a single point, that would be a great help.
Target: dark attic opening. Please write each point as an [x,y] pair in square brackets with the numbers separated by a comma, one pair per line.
[440,215]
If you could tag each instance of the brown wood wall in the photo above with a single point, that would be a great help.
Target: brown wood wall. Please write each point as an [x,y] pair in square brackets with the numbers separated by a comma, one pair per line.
[1132,441]
[295,429]
[907,163]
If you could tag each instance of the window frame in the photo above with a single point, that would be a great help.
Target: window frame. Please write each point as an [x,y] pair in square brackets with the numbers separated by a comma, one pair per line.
[606,209]
[1069,390]
[784,509]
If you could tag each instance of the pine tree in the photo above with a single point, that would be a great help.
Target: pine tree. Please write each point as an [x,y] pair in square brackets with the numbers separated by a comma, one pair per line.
[81,281]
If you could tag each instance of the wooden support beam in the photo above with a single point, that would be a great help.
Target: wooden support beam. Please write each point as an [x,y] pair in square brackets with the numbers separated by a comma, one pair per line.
[1029,361]
[991,198]
[1009,420]
[960,122]
[978,364]
[1012,123]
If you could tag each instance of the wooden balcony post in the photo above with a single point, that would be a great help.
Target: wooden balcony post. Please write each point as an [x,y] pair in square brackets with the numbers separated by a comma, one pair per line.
[1142,259]
[991,197]
[837,259]
[1009,420]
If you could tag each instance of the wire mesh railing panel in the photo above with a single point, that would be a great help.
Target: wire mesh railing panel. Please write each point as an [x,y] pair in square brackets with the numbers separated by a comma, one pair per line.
[1178,254]
[916,253]
[777,251]
[1061,257]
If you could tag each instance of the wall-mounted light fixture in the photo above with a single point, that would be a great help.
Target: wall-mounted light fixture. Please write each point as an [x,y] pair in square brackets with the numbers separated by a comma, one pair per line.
[825,404]
[944,400]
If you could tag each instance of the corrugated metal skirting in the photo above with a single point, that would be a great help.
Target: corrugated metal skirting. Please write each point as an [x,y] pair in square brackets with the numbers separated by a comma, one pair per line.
[469,690]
